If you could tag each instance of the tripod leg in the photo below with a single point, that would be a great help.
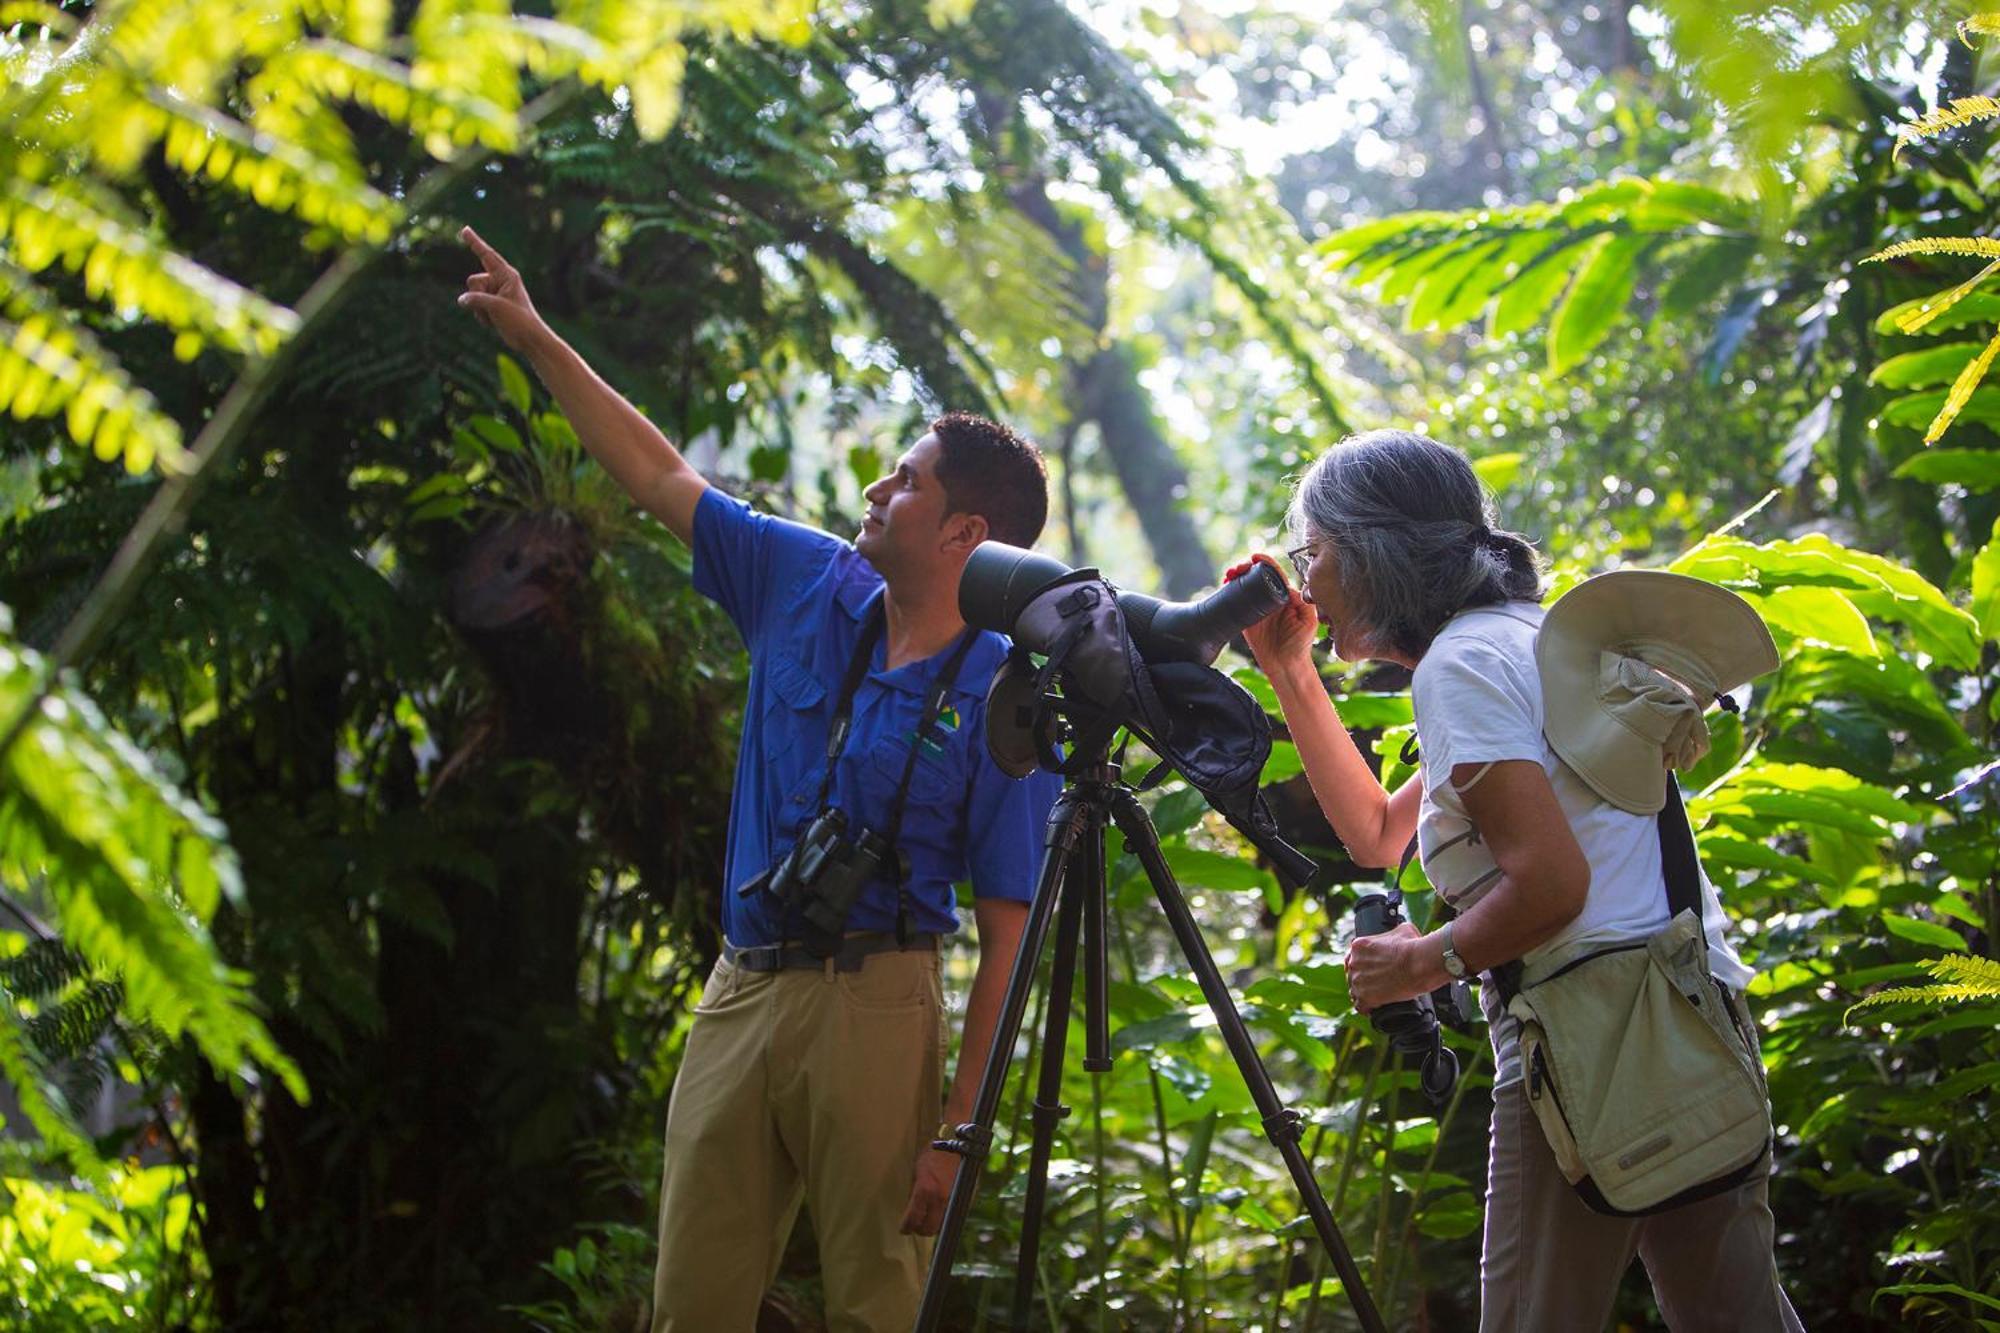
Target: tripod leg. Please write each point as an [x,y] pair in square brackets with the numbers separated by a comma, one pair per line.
[1048,1108]
[971,1141]
[1281,1124]
[1096,992]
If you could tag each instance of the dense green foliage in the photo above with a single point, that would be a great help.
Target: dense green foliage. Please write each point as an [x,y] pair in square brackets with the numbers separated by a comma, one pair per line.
[372,838]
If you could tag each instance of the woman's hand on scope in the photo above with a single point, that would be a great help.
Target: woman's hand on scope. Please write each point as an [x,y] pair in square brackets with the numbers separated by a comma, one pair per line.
[1283,640]
[496,296]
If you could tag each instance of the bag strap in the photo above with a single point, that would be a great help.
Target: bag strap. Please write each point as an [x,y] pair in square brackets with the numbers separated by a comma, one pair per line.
[933,706]
[1678,858]
[850,685]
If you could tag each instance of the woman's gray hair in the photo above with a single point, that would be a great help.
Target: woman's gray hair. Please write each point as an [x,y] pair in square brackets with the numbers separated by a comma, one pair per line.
[1413,529]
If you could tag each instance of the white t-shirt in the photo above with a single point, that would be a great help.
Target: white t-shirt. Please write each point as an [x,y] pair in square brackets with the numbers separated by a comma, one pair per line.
[1478,699]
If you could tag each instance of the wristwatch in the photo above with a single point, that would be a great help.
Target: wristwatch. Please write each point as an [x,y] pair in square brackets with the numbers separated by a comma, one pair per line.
[1452,962]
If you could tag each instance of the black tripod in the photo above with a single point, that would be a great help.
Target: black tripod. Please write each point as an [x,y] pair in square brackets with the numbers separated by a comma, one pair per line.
[1071,889]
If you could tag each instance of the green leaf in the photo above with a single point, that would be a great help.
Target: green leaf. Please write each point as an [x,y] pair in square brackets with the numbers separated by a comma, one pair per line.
[1986,586]
[1974,469]
[514,384]
[1939,1289]
[1877,585]
[1595,301]
[1498,471]
[1928,933]
[1474,268]
[1978,308]
[1715,270]
[1525,299]
[1283,765]
[1918,370]
[1819,615]
[1199,867]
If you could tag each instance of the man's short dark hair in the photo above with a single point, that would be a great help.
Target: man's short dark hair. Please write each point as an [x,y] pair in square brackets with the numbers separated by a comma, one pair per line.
[988,470]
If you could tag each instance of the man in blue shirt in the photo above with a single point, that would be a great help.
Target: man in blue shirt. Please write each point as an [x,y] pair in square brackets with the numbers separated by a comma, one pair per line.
[807,1078]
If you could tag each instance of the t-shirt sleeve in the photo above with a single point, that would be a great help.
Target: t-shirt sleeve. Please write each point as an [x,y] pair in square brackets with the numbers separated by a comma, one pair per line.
[1476,703]
[1006,821]
[745,562]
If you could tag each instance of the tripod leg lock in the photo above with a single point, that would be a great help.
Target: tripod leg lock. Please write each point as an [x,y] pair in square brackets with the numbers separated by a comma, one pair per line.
[1284,1127]
[1044,1115]
[967,1140]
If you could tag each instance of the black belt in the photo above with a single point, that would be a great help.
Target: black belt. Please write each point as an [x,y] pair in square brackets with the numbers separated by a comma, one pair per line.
[854,951]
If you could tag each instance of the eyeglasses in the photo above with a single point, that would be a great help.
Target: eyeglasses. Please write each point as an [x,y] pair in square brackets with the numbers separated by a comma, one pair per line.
[1303,556]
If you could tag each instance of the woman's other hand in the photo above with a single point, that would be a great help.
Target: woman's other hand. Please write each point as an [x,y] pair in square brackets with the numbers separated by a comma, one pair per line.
[1283,640]
[1392,966]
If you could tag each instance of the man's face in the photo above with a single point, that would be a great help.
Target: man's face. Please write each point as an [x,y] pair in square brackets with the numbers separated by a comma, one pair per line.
[904,525]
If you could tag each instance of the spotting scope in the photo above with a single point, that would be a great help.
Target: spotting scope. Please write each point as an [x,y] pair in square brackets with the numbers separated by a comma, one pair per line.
[1000,580]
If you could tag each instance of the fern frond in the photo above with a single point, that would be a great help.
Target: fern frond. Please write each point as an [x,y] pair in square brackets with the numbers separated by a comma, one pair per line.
[277,174]
[130,866]
[49,363]
[444,118]
[68,1028]
[1987,25]
[42,969]
[1962,978]
[1982,974]
[1959,112]
[36,14]
[1978,247]
[44,225]
[1961,390]
[41,1098]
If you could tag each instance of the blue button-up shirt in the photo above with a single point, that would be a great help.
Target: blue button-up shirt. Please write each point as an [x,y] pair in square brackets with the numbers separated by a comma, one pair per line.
[800,598]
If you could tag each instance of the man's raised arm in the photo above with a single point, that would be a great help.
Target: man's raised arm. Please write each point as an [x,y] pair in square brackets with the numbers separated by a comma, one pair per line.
[631,448]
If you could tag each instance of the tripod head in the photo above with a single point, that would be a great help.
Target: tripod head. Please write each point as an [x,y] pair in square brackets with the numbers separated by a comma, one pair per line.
[1412,1026]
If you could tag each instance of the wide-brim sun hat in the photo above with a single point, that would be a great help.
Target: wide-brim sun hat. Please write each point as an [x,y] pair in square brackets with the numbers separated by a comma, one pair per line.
[1629,661]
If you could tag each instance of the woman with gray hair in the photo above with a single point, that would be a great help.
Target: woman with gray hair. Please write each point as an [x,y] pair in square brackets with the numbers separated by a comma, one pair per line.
[1399,560]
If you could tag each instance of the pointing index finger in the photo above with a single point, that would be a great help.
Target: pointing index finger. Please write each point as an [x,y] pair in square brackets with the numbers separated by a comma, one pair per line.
[487,254]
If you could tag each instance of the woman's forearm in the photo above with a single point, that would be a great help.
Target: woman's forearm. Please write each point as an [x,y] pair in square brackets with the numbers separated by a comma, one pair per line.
[1349,794]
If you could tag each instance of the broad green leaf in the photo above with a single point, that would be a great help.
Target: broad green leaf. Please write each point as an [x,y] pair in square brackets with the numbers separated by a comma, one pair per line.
[1197,867]
[1526,298]
[1283,765]
[1715,269]
[1920,370]
[1986,586]
[1978,308]
[1471,267]
[1746,855]
[1974,469]
[1820,615]
[1928,933]
[1498,471]
[1877,585]
[514,384]
[1595,301]
[1940,1289]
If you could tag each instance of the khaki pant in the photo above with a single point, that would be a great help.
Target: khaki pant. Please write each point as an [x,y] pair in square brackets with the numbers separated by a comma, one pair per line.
[801,1085]
[1551,1265]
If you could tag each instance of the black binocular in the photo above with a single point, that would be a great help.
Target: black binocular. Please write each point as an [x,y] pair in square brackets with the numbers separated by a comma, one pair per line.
[824,873]
[1412,1026]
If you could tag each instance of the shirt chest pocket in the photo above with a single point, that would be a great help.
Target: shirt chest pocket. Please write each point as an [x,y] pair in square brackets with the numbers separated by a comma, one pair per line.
[794,726]
[935,780]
